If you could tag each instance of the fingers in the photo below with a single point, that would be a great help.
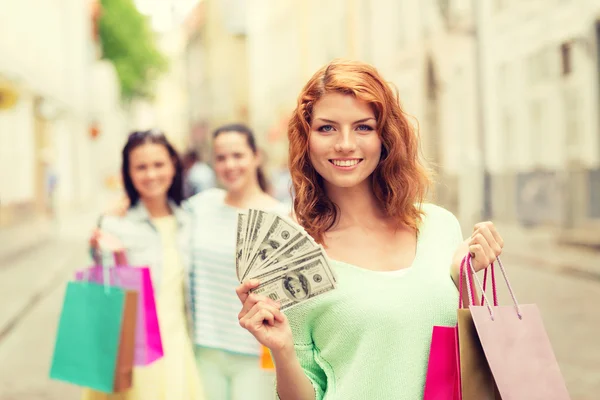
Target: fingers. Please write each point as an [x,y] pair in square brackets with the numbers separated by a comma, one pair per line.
[108,241]
[489,230]
[253,299]
[243,290]
[261,312]
[485,245]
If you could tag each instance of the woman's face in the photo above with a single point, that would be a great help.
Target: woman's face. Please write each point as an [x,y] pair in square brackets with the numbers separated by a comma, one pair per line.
[152,170]
[235,163]
[344,145]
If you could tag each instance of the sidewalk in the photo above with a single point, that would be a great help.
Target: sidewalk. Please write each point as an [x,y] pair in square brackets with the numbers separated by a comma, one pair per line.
[36,261]
[540,247]
[26,236]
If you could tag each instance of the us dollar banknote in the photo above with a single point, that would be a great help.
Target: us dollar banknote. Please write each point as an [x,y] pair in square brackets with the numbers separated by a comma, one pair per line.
[240,240]
[293,249]
[298,284]
[279,233]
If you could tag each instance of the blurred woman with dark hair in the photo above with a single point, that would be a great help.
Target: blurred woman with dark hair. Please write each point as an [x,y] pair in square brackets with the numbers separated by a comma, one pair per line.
[155,231]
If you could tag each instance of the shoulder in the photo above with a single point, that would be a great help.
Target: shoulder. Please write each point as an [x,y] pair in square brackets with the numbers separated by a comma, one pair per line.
[433,213]
[271,204]
[208,196]
[439,220]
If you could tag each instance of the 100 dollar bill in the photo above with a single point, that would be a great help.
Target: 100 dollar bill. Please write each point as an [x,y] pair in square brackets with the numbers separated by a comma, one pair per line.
[296,285]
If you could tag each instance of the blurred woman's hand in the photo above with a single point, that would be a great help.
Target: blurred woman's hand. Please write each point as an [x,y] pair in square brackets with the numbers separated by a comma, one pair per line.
[101,240]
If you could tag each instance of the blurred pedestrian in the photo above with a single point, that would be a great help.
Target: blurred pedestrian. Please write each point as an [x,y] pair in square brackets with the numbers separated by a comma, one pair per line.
[228,357]
[198,175]
[360,190]
[156,231]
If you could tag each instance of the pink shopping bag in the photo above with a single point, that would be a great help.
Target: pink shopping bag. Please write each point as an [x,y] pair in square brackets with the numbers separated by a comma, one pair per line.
[517,348]
[443,379]
[148,341]
[443,370]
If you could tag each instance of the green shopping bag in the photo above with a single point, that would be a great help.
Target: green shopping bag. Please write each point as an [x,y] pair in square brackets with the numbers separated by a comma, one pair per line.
[89,334]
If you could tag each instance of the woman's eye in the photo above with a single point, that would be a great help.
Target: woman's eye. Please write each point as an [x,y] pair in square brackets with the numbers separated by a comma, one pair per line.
[326,128]
[364,128]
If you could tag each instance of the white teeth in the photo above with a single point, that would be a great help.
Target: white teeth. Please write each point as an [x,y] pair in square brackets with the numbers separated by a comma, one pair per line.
[345,163]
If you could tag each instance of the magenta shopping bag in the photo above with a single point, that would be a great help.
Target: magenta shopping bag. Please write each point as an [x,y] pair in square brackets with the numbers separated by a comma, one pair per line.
[443,379]
[148,341]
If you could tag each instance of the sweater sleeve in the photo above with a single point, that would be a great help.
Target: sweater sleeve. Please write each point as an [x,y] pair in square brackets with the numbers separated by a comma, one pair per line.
[306,351]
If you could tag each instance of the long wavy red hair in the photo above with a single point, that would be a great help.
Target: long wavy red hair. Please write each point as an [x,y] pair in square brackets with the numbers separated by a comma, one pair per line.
[400,182]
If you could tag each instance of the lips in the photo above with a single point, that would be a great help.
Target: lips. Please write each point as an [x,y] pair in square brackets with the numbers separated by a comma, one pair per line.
[345,162]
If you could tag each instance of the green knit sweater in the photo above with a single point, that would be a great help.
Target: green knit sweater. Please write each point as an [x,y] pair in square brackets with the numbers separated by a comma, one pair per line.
[370,338]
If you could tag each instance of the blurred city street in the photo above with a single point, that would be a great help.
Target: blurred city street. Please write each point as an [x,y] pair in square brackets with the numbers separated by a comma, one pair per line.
[32,289]
[507,111]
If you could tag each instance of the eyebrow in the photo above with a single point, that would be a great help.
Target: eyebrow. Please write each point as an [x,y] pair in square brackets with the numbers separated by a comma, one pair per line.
[355,122]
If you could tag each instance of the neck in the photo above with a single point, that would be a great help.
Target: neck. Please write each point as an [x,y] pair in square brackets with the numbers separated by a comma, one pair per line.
[245,197]
[157,207]
[357,205]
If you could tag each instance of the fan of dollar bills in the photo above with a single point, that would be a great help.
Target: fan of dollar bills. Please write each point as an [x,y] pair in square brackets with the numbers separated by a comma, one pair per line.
[290,265]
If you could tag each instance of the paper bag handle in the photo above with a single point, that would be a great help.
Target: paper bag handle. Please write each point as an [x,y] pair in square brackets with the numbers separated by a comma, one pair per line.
[510,289]
[463,276]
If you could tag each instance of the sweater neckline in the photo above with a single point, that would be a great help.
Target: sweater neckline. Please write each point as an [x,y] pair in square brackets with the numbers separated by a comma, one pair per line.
[393,273]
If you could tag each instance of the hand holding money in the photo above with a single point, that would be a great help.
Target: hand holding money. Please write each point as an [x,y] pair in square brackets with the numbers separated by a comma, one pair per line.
[289,264]
[262,317]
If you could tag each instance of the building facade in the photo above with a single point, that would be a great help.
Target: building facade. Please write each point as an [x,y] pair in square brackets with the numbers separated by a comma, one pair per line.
[542,110]
[65,101]
[216,67]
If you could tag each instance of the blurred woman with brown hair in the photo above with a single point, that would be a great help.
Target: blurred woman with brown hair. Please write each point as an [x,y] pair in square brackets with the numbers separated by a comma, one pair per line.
[226,354]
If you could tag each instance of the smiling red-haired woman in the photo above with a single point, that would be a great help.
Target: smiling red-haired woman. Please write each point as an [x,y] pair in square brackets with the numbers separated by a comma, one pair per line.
[399,182]
[360,192]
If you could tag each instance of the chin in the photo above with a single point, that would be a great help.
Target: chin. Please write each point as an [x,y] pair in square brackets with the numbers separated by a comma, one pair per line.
[234,186]
[345,183]
[153,195]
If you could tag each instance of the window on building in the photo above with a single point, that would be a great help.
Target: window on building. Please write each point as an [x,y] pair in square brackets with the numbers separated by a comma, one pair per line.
[598,55]
[566,56]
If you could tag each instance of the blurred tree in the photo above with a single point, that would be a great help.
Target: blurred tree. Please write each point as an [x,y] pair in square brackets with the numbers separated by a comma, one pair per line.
[128,42]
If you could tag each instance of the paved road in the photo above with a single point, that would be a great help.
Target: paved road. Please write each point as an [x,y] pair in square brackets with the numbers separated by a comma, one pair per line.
[568,305]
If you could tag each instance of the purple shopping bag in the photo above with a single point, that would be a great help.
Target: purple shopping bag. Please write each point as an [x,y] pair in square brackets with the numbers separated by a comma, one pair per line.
[148,341]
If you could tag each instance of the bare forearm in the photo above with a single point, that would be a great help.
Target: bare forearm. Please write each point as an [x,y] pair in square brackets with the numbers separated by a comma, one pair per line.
[454,273]
[292,382]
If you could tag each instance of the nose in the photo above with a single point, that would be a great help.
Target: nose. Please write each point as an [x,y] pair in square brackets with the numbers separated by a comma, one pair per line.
[229,163]
[346,141]
[151,173]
